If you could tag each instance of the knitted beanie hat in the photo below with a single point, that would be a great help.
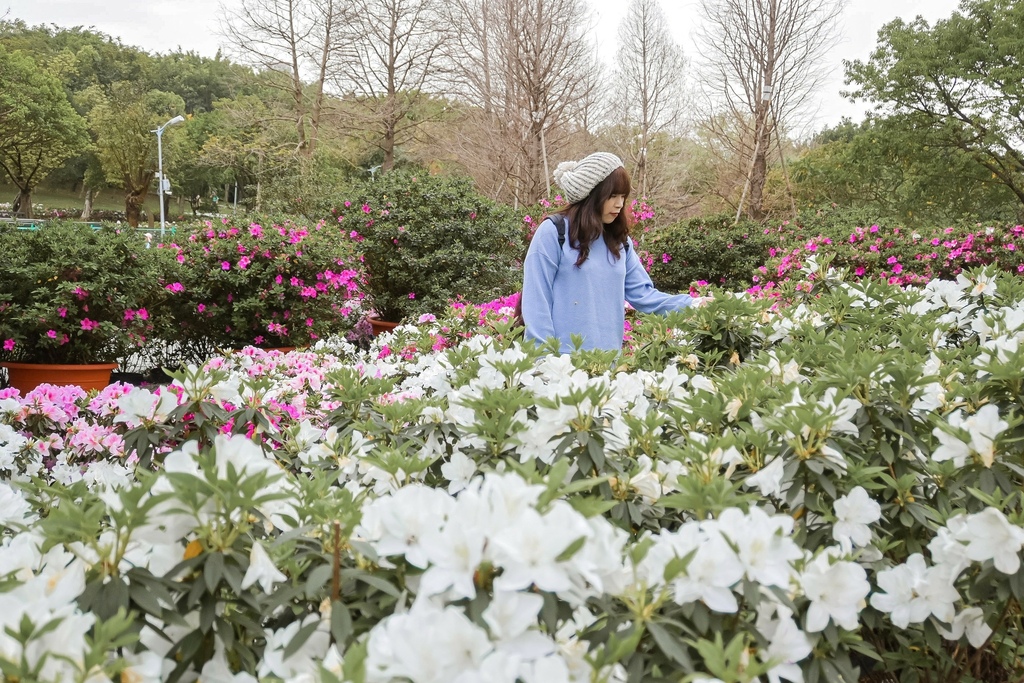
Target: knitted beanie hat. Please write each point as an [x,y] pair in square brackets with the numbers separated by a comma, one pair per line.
[578,178]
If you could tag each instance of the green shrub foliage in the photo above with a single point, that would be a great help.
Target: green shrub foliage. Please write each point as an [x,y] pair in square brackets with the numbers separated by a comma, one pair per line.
[428,240]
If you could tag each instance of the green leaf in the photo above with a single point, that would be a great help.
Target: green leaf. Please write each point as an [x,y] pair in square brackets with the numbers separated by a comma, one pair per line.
[670,645]
[571,549]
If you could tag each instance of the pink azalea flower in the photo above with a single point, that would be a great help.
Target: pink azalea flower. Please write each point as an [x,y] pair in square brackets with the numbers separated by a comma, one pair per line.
[224,265]
[9,344]
[62,312]
[52,334]
[88,325]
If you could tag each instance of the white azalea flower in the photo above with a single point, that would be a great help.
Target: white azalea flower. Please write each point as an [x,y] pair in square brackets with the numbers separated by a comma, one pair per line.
[261,570]
[139,405]
[787,645]
[710,576]
[972,622]
[990,536]
[763,545]
[13,506]
[984,426]
[529,548]
[913,592]
[946,550]
[951,447]
[768,479]
[217,670]
[304,660]
[398,524]
[454,554]
[427,644]
[459,469]
[836,589]
[146,667]
[854,513]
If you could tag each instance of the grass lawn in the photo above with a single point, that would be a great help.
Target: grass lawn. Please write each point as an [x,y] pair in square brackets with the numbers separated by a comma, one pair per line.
[50,198]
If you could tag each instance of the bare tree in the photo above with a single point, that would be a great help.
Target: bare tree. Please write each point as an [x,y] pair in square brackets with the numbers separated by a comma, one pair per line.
[650,67]
[524,73]
[300,39]
[761,60]
[392,66]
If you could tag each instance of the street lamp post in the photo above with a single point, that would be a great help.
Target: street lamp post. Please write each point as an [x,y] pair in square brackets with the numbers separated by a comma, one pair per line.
[163,184]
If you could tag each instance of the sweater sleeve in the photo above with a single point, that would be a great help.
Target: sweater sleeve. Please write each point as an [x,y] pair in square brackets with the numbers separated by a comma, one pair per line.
[539,271]
[640,291]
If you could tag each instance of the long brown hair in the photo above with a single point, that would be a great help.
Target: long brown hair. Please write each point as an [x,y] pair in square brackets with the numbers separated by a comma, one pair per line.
[585,224]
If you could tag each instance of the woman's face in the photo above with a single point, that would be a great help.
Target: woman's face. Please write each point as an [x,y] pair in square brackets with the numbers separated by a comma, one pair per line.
[612,206]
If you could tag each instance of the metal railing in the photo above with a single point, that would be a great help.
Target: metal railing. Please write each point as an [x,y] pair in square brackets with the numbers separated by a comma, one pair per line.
[36,223]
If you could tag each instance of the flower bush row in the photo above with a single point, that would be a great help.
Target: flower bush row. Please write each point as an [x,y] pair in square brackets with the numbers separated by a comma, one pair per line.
[816,492]
[74,295]
[712,250]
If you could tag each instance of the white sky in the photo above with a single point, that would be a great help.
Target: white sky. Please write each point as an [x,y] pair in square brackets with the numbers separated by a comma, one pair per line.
[164,25]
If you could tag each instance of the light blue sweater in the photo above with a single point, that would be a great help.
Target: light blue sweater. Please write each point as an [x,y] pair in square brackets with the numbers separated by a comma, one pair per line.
[560,300]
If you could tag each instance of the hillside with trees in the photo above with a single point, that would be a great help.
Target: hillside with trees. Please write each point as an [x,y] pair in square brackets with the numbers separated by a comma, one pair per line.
[310,97]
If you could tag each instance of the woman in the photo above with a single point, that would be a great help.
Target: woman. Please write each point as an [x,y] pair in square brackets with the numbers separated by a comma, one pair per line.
[578,287]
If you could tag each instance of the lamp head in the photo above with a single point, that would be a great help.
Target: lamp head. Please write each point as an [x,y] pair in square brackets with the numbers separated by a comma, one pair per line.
[177,119]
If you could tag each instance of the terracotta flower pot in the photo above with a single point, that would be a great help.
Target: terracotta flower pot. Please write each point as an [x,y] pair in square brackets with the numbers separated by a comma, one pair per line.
[381,326]
[27,376]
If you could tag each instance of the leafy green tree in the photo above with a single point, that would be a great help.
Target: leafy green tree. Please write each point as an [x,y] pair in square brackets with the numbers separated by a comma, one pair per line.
[252,141]
[123,119]
[95,58]
[190,177]
[200,81]
[39,129]
[888,167]
[961,82]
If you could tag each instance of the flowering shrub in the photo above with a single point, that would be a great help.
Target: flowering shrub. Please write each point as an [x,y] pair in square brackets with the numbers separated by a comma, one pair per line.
[275,285]
[428,240]
[69,294]
[703,249]
[902,255]
[821,491]
[713,251]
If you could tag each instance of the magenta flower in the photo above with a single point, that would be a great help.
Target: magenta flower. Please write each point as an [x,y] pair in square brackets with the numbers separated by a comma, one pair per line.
[9,344]
[89,325]
[52,334]
[142,313]
[175,287]
[225,265]
[412,295]
[62,312]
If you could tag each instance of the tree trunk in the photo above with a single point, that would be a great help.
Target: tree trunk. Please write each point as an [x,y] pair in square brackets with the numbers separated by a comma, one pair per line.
[87,206]
[22,205]
[759,168]
[389,147]
[133,201]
